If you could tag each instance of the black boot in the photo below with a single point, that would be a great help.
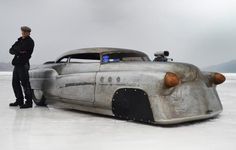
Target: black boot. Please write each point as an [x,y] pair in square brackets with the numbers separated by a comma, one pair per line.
[26,105]
[17,103]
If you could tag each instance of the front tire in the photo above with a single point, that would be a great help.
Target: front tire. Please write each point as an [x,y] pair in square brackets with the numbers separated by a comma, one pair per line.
[38,98]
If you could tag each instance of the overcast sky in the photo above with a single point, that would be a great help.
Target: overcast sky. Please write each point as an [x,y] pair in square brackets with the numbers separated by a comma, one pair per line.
[201,32]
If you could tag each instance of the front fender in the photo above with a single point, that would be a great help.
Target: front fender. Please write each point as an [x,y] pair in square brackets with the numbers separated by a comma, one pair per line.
[42,78]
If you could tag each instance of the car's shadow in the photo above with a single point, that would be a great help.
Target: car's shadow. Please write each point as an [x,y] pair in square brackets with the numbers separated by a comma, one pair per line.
[190,123]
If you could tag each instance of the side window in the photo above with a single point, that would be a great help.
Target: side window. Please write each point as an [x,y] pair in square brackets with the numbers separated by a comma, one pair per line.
[85,58]
[123,57]
[63,60]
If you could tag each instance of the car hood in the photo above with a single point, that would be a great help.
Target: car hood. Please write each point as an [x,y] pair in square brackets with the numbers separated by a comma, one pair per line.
[183,70]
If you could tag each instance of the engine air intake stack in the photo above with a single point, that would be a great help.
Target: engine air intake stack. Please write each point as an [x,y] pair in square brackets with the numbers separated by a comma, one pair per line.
[162,56]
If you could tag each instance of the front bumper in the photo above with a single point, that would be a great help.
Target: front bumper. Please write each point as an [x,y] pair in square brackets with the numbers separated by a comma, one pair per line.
[189,101]
[187,119]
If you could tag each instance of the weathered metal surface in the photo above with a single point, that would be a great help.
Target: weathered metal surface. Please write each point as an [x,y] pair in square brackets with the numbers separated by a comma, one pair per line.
[91,87]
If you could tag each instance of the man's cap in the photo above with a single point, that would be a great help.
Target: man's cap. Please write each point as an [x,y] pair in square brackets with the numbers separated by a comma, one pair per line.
[25,29]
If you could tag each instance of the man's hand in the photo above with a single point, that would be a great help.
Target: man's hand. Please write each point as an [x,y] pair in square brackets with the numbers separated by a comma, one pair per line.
[14,50]
[23,52]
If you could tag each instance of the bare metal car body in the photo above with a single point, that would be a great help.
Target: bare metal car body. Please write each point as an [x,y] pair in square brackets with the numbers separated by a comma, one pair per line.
[132,89]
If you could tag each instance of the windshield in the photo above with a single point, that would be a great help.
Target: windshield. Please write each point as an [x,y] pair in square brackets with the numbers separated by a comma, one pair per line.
[124,57]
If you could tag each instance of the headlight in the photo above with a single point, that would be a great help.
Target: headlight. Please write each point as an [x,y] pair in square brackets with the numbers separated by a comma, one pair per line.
[218,78]
[171,80]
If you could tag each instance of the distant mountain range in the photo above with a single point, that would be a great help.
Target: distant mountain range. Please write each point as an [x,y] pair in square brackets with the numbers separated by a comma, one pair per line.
[228,67]
[9,67]
[6,66]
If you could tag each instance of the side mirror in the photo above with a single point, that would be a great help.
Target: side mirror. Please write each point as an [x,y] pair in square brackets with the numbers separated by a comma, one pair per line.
[49,62]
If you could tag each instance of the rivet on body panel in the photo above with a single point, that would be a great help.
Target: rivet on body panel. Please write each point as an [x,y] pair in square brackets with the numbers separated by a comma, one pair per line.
[102,79]
[118,79]
[110,79]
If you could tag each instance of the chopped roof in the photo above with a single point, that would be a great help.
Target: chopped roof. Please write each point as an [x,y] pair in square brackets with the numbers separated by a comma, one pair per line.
[100,50]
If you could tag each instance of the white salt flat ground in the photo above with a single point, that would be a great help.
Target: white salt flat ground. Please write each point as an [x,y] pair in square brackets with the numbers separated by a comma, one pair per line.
[42,128]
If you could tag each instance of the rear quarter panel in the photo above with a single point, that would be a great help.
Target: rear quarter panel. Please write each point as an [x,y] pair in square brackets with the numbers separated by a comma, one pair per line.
[108,82]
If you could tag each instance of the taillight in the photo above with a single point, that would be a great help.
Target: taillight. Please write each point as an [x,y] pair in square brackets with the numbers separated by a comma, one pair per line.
[171,80]
[218,78]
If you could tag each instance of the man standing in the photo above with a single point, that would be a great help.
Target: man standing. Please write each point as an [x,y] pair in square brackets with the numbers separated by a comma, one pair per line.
[22,49]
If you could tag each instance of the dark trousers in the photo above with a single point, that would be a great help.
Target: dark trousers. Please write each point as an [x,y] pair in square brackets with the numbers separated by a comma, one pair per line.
[21,79]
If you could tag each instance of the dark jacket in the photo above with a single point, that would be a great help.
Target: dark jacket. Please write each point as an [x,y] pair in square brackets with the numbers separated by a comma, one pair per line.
[22,49]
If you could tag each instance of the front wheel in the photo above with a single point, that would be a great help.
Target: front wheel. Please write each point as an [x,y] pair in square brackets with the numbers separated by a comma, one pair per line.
[39,98]
[132,104]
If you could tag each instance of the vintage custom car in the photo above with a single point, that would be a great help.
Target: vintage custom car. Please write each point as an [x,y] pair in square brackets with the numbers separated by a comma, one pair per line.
[126,84]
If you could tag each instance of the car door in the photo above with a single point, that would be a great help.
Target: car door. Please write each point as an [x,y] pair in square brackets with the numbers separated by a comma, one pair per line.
[77,80]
